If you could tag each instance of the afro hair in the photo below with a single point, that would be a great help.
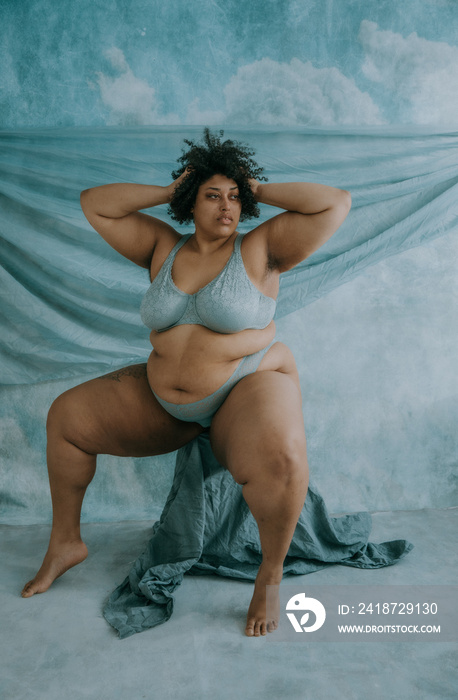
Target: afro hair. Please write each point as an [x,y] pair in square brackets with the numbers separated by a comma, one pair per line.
[214,157]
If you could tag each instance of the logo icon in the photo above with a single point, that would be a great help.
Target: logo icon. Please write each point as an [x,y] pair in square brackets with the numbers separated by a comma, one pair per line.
[302,603]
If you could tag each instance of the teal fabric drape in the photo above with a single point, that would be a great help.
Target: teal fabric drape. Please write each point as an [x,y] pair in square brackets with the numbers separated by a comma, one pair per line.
[70,303]
[206,528]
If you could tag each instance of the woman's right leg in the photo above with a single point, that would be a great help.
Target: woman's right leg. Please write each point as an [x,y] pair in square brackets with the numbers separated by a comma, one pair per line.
[116,414]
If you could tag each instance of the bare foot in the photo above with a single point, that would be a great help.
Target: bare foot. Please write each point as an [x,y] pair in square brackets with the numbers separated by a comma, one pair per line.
[58,559]
[257,622]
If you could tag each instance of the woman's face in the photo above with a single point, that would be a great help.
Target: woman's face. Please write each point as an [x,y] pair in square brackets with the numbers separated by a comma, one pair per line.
[217,207]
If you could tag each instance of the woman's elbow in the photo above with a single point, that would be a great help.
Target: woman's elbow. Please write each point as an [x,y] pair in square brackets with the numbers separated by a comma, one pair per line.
[83,198]
[343,204]
[87,201]
[345,200]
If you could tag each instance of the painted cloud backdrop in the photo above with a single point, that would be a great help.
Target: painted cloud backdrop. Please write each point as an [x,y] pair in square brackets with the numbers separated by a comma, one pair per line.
[284,63]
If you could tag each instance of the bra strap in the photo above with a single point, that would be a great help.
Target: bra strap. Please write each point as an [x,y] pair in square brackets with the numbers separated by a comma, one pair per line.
[238,242]
[171,256]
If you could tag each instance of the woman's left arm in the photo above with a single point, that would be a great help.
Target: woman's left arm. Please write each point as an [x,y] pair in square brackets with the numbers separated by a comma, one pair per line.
[313,213]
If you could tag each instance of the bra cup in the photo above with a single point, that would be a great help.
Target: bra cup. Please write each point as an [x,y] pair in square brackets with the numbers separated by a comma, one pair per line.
[161,308]
[163,305]
[228,304]
[237,312]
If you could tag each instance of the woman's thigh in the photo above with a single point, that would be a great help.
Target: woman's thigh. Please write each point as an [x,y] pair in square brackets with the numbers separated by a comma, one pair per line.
[118,414]
[260,423]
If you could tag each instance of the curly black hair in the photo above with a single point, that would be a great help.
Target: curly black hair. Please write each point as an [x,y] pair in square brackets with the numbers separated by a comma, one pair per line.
[214,157]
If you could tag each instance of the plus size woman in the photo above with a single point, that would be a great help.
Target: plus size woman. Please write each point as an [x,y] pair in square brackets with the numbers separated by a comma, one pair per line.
[215,364]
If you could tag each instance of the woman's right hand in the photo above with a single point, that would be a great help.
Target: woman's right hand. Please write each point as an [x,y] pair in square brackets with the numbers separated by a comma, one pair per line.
[176,183]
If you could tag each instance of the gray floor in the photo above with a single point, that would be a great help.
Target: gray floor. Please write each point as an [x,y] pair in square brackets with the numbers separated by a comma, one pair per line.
[58,645]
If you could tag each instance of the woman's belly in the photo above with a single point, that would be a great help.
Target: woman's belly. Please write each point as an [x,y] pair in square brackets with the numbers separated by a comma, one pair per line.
[190,362]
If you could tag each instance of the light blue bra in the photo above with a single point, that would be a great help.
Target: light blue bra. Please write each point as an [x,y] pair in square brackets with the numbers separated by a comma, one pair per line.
[228,304]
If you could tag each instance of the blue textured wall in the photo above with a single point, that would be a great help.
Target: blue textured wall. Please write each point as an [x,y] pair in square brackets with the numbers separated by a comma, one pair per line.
[279,62]
[377,356]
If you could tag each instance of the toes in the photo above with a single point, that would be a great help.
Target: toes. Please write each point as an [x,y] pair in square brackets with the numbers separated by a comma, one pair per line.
[259,628]
[27,590]
[253,628]
[249,629]
[271,625]
[33,587]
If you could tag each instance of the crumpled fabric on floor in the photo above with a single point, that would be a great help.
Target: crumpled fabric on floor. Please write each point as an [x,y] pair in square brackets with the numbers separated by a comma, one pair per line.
[207,528]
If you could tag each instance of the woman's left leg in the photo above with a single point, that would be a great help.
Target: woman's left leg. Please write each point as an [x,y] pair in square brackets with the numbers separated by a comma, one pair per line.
[258,435]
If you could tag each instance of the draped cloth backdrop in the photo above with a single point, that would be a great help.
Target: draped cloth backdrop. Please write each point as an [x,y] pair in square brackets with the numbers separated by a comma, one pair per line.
[70,304]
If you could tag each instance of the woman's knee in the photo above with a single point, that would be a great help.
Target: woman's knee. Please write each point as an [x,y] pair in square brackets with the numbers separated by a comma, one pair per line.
[279,456]
[284,455]
[56,414]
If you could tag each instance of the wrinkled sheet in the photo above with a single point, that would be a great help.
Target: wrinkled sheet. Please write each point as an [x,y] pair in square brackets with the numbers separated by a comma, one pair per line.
[70,304]
[207,528]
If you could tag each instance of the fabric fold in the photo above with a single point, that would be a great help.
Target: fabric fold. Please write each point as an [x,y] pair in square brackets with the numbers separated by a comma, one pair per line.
[70,304]
[207,528]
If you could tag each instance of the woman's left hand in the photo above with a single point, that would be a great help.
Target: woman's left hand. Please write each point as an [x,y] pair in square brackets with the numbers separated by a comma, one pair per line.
[254,184]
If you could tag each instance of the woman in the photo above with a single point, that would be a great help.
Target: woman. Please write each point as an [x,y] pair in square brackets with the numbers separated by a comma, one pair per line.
[215,364]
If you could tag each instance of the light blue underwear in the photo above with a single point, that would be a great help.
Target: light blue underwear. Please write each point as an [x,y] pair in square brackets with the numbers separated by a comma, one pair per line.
[203,411]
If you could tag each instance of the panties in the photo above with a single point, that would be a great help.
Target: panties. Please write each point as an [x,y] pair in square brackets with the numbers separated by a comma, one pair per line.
[202,411]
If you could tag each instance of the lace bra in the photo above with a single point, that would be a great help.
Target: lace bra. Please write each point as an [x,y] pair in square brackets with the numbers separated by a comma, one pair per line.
[228,304]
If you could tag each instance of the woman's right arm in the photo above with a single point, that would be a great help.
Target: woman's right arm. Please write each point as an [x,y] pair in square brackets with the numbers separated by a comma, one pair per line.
[113,210]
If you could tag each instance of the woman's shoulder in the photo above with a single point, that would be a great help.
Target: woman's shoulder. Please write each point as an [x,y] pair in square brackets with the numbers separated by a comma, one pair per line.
[255,255]
[166,242]
[254,243]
